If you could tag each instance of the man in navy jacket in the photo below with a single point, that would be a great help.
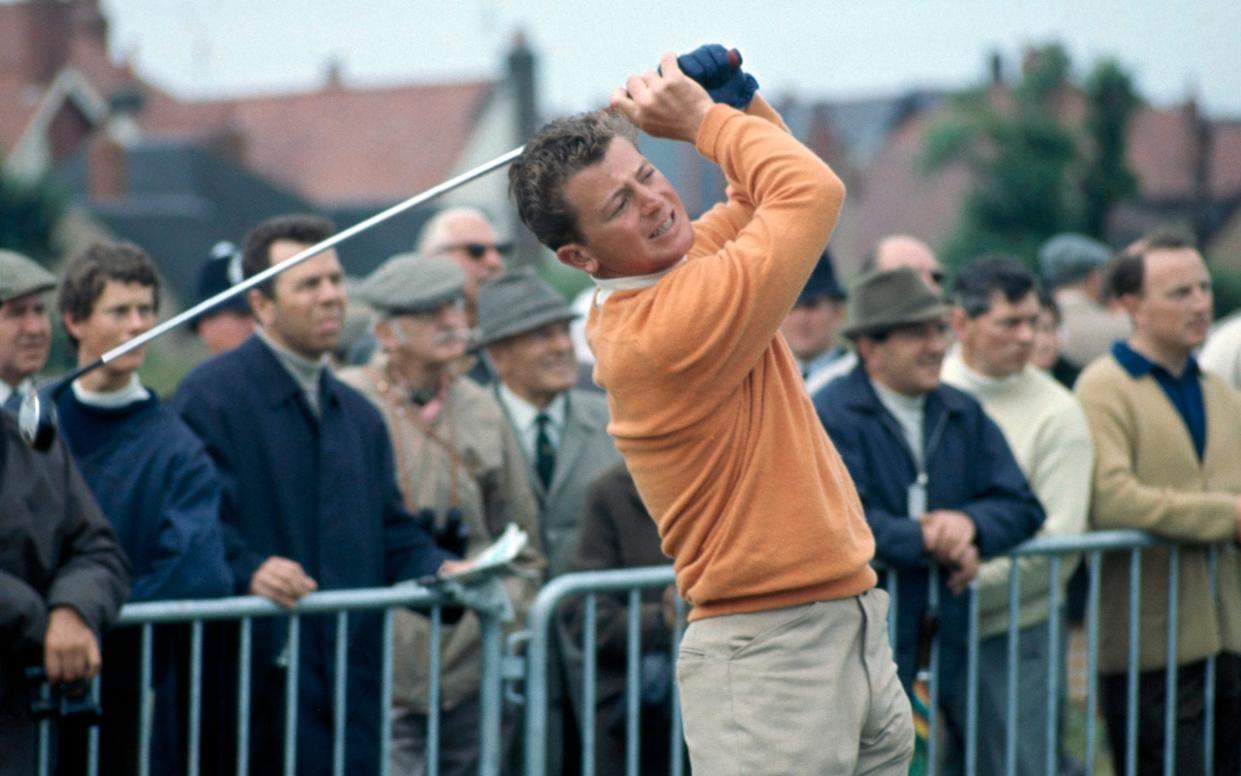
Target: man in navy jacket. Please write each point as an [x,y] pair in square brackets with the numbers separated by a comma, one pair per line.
[154,482]
[310,496]
[937,480]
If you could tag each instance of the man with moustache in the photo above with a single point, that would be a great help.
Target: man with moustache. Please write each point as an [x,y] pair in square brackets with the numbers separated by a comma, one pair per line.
[154,482]
[936,477]
[25,331]
[310,496]
[1168,462]
[462,475]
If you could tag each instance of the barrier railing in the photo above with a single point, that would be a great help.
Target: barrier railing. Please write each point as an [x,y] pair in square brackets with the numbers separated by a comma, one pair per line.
[1088,549]
[244,611]
[538,664]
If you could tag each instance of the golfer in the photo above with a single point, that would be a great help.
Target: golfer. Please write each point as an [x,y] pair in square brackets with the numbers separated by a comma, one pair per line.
[785,667]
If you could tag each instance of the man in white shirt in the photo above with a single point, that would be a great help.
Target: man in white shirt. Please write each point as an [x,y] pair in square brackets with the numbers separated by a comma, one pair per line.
[25,330]
[995,317]
[524,325]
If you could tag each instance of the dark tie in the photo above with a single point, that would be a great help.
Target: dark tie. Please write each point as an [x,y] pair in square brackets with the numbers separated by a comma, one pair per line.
[14,402]
[544,452]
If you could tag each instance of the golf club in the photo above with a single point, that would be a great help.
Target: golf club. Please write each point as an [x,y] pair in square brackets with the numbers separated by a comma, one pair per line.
[36,418]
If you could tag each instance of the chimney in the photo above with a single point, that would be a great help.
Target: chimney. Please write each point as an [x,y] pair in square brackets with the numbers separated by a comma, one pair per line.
[995,65]
[1200,159]
[46,40]
[334,75]
[521,66]
[107,177]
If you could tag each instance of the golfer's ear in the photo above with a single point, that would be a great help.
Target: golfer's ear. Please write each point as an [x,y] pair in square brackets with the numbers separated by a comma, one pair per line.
[573,255]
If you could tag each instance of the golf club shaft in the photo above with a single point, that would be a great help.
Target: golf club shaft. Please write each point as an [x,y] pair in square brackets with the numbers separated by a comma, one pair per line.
[294,260]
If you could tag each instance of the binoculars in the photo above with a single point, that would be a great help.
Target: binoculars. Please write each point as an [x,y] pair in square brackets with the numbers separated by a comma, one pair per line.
[63,699]
[450,534]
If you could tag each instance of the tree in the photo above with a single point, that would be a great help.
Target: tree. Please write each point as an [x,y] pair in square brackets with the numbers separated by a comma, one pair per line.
[1111,103]
[29,213]
[1034,174]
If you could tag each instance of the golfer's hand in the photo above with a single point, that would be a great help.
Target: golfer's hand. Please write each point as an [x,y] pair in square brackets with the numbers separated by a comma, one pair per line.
[664,103]
[282,580]
[70,650]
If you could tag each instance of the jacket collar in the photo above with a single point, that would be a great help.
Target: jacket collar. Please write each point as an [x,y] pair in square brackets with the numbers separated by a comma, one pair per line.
[272,382]
[859,394]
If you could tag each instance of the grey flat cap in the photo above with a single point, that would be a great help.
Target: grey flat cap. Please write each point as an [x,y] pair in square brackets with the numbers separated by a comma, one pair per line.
[1068,257]
[409,283]
[20,276]
[887,300]
[515,303]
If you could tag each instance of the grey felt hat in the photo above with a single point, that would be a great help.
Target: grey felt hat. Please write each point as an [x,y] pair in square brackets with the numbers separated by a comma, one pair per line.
[517,302]
[409,283]
[20,275]
[887,300]
[1068,257]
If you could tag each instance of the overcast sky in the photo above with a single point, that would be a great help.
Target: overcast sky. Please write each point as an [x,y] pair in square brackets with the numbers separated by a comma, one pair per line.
[814,49]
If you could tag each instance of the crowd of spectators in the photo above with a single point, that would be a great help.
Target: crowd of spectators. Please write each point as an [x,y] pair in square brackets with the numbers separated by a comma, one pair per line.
[972,415]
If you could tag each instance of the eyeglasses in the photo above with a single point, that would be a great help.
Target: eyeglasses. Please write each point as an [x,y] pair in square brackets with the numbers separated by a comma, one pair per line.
[477,250]
[938,275]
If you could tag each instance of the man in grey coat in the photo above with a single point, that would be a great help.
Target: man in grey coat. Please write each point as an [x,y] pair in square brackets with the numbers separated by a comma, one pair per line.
[524,325]
[562,431]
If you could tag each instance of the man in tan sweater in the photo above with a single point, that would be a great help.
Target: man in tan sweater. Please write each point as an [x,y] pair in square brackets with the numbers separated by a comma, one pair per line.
[1168,461]
[785,667]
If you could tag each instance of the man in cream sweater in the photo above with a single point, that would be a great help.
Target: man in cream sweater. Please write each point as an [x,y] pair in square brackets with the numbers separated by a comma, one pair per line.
[785,666]
[994,318]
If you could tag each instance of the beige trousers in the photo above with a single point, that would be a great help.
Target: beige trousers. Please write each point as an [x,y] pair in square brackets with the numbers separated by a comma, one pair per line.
[810,689]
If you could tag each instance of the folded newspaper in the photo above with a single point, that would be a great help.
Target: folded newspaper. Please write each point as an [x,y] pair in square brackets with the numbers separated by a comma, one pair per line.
[493,560]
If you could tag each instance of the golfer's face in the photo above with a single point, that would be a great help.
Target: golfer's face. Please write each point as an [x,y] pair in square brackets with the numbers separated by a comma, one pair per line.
[631,220]
[308,307]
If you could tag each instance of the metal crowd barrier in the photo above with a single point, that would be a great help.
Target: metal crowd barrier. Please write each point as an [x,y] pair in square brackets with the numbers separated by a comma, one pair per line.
[1088,548]
[248,608]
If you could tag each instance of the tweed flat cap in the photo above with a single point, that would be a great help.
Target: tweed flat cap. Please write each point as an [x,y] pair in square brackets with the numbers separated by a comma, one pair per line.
[887,300]
[1068,257]
[20,276]
[409,283]
[517,302]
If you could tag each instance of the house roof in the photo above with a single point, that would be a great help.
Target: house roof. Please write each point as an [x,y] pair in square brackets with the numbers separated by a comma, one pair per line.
[340,145]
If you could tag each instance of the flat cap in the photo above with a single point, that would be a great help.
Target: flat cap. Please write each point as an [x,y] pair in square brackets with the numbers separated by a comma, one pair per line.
[20,275]
[410,283]
[515,303]
[1068,257]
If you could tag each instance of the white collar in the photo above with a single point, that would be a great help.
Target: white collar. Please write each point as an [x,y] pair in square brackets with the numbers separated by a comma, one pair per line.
[132,392]
[7,390]
[524,413]
[608,286]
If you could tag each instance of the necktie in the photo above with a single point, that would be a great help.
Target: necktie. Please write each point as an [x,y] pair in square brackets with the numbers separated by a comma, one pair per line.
[13,403]
[544,452]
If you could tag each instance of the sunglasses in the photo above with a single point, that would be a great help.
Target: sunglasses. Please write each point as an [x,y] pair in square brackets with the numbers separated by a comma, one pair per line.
[477,250]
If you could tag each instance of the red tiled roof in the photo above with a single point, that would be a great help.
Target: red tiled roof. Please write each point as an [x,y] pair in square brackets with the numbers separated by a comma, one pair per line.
[339,144]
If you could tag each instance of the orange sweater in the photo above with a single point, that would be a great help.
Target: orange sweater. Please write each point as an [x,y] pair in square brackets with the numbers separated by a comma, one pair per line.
[753,502]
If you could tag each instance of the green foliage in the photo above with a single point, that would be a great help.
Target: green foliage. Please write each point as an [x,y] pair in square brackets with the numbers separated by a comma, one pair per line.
[1107,179]
[29,213]
[1034,175]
